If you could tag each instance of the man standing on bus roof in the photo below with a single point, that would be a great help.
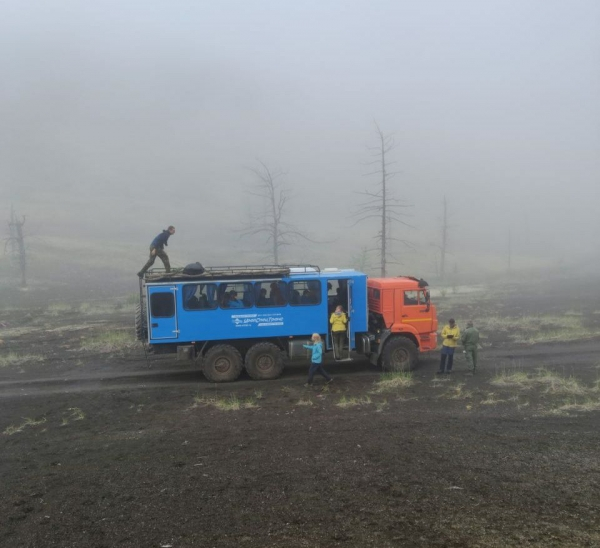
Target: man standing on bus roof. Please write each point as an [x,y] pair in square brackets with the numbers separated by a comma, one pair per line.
[157,249]
[450,338]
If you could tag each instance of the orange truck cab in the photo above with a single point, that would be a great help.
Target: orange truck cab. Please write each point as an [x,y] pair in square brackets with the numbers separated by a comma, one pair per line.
[402,322]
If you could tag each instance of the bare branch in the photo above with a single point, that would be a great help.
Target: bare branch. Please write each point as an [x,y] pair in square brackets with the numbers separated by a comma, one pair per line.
[279,233]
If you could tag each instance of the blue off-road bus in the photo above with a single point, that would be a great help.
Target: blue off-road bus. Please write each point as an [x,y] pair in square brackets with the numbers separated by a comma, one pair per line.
[249,317]
[256,317]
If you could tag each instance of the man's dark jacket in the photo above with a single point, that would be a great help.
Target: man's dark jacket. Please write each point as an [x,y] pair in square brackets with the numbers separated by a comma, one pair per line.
[161,240]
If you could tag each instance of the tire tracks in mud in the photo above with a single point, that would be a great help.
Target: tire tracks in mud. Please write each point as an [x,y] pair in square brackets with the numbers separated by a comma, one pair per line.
[97,383]
[551,355]
[156,378]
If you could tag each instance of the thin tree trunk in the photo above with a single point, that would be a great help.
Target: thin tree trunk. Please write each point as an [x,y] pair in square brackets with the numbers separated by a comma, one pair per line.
[509,249]
[18,240]
[22,256]
[383,211]
[444,241]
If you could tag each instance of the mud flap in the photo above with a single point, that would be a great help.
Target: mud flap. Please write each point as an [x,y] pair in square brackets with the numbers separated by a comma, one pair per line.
[186,353]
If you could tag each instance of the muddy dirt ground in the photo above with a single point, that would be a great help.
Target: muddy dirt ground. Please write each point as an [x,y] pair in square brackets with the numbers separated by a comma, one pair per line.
[99,449]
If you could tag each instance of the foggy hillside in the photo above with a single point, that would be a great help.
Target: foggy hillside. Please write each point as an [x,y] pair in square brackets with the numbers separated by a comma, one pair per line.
[119,119]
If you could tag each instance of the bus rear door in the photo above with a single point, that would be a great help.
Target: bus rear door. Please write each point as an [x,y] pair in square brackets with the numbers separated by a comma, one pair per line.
[163,312]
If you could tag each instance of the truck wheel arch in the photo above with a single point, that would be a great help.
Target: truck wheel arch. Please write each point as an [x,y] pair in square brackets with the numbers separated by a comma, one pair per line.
[400,353]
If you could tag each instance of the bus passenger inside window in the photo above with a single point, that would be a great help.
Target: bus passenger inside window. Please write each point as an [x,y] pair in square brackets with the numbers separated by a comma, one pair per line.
[305,292]
[223,296]
[233,300]
[276,296]
[194,303]
[267,294]
[262,299]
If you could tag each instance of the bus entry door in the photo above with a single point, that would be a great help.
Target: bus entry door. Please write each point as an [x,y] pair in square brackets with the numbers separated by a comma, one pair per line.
[163,312]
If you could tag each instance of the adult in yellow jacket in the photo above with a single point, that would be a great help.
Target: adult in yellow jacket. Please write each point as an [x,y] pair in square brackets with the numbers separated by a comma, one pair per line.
[338,321]
[450,338]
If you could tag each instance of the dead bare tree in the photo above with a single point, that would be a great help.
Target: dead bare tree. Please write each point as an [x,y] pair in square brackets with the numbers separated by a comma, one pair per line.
[444,244]
[509,251]
[16,241]
[272,221]
[381,203]
[12,239]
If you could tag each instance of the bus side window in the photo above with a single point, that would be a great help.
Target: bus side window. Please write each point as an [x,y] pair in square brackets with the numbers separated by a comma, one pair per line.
[195,296]
[270,293]
[162,305]
[236,295]
[305,292]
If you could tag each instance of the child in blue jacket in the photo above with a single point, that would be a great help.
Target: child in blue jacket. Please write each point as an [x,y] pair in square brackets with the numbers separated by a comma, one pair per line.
[316,360]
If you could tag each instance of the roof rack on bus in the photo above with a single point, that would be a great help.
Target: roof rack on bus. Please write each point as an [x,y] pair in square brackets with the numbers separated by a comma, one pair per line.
[228,272]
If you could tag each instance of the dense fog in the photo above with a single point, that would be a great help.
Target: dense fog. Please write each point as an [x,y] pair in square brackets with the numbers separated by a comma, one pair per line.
[120,118]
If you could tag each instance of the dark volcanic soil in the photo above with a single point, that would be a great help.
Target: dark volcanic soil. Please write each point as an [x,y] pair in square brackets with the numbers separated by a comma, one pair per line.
[112,453]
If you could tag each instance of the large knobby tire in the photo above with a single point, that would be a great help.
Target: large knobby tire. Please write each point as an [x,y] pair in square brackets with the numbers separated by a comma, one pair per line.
[400,354]
[264,361]
[222,363]
[141,327]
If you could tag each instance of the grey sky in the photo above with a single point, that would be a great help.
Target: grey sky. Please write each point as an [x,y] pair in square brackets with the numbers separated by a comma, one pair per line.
[121,117]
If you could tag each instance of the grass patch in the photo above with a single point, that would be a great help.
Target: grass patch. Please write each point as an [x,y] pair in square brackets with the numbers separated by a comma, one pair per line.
[231,403]
[305,402]
[438,382]
[554,383]
[12,359]
[56,309]
[76,414]
[458,392]
[515,379]
[380,406]
[573,406]
[97,309]
[346,401]
[540,328]
[491,399]
[111,341]
[27,423]
[557,384]
[581,398]
[12,332]
[393,381]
